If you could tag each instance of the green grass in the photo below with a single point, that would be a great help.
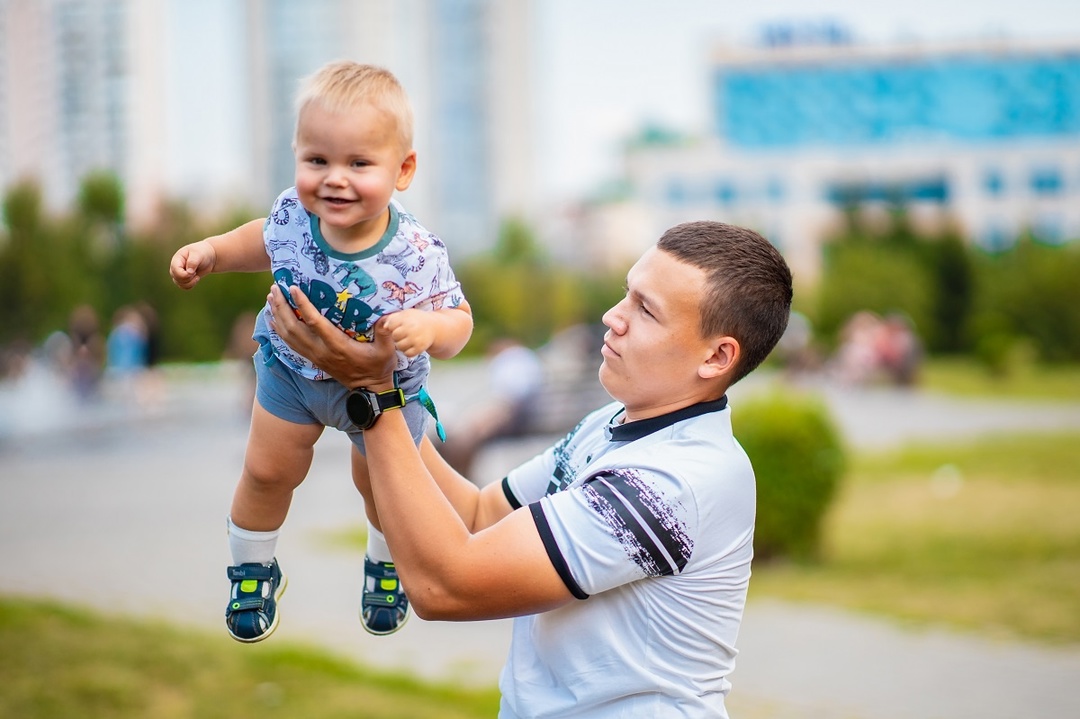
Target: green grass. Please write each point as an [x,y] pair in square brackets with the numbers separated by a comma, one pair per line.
[963,376]
[983,536]
[57,662]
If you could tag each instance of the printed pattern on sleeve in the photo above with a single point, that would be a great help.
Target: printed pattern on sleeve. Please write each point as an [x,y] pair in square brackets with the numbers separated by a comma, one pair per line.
[647,525]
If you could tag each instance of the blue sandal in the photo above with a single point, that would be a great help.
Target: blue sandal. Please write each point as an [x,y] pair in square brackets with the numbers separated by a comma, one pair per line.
[252,612]
[384,607]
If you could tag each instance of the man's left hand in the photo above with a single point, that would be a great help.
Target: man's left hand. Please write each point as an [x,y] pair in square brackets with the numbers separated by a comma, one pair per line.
[354,364]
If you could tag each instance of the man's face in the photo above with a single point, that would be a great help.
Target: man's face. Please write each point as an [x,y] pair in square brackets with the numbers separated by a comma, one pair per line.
[653,348]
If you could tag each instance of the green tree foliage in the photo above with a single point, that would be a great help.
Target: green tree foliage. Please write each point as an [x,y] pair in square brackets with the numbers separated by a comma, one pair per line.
[1013,306]
[1029,294]
[798,461]
[51,264]
[882,279]
[24,263]
[517,291]
[952,271]
[890,268]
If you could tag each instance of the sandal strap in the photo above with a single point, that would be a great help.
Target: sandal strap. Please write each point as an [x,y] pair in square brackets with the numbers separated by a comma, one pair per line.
[246,605]
[380,570]
[381,599]
[250,571]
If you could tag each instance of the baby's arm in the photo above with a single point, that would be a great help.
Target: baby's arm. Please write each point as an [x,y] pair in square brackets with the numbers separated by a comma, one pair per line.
[239,250]
[441,333]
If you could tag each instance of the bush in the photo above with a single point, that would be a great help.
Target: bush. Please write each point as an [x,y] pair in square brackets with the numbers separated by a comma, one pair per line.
[799,461]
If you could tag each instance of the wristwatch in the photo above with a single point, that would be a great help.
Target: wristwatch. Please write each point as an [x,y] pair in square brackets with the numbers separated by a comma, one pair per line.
[364,406]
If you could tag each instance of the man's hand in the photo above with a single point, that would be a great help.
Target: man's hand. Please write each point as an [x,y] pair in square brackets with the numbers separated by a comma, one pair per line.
[412,331]
[354,364]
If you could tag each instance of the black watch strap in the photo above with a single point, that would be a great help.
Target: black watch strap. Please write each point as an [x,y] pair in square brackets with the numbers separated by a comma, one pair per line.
[390,399]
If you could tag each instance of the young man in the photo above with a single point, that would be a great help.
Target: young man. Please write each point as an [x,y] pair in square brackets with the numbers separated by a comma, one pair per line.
[624,551]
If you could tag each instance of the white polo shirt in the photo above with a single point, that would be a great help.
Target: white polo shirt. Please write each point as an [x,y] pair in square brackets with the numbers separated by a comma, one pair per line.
[650,524]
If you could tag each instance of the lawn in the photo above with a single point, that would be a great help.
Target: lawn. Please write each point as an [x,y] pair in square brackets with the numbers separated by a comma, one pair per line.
[981,536]
[966,377]
[59,663]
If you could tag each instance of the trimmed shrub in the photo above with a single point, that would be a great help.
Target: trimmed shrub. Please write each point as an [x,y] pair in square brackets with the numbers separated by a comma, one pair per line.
[799,461]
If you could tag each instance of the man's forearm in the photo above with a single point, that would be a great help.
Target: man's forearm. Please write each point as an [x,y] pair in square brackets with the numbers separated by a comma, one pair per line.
[425,531]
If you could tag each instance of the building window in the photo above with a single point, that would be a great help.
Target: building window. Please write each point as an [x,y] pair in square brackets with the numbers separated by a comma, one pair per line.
[995,238]
[724,193]
[677,193]
[1046,181]
[994,183]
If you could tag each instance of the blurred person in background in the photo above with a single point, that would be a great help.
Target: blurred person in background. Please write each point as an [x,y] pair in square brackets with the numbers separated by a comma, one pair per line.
[126,352]
[87,352]
[241,348]
[515,378]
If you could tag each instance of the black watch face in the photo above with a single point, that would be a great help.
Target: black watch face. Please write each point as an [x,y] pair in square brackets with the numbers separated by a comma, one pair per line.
[358,407]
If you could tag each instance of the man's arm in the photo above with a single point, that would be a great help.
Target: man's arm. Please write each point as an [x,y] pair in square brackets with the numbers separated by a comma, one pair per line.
[429,517]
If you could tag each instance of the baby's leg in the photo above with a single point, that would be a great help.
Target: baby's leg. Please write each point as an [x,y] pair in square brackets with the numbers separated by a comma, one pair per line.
[279,455]
[362,480]
[278,458]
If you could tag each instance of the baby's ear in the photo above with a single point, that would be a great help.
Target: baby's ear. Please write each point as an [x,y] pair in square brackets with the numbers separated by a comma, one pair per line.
[722,359]
[406,172]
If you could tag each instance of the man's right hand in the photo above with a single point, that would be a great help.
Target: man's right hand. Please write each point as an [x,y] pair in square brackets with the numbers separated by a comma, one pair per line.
[352,363]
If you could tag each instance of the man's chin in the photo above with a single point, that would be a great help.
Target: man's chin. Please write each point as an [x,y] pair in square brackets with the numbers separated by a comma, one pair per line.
[605,381]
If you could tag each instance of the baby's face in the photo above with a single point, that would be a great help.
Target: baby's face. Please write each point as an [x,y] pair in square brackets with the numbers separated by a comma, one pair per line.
[348,165]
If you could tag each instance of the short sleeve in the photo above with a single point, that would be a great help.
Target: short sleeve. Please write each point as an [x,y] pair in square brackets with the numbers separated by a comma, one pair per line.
[618,527]
[531,480]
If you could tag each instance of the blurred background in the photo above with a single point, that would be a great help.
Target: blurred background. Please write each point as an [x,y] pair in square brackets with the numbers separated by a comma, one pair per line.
[908,161]
[917,163]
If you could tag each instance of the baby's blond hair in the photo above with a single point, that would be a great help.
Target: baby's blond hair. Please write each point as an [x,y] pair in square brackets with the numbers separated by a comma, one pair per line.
[344,85]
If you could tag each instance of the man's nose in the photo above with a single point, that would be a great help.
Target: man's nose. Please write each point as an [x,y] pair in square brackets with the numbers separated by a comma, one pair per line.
[612,319]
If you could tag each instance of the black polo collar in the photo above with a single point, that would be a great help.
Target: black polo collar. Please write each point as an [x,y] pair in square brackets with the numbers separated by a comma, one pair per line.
[630,431]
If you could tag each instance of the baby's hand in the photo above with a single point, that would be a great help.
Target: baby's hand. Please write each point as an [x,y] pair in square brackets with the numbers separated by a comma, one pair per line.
[413,331]
[190,263]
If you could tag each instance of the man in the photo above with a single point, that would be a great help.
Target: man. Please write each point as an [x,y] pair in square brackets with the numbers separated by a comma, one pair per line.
[624,551]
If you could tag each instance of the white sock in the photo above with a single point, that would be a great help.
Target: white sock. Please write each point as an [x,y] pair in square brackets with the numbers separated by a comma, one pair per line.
[248,546]
[377,549]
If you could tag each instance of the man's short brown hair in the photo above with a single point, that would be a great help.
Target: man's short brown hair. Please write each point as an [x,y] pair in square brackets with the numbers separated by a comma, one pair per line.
[748,283]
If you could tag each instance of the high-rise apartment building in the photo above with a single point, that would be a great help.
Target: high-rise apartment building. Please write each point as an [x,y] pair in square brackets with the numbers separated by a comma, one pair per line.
[63,103]
[193,99]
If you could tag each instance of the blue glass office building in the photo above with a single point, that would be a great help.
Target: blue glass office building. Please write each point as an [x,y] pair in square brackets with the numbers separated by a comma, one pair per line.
[987,137]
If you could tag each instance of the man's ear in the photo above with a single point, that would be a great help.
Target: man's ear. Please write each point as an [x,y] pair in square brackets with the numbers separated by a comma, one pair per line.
[722,359]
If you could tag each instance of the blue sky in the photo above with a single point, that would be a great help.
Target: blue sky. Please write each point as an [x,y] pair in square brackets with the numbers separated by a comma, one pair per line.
[608,66]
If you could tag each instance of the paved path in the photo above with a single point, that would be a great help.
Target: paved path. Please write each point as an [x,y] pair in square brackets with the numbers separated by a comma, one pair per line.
[122,508]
